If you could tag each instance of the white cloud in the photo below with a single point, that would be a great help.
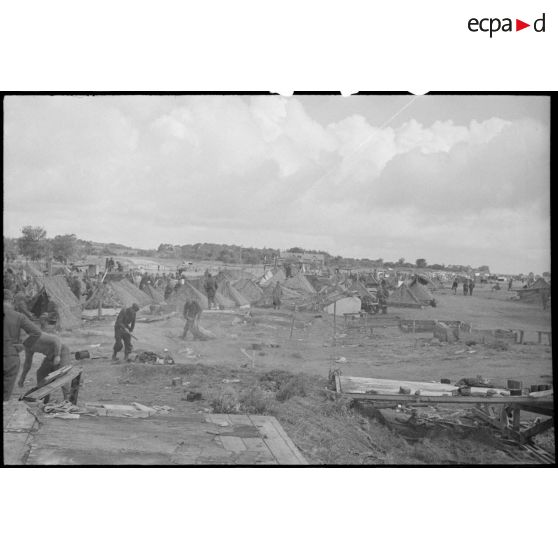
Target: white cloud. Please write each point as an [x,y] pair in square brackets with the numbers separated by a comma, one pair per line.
[253,170]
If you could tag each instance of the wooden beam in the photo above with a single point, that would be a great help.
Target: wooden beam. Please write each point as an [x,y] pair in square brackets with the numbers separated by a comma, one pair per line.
[459,400]
[547,409]
[536,429]
[41,392]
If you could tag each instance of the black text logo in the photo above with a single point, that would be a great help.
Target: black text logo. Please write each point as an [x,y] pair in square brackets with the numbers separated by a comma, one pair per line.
[493,25]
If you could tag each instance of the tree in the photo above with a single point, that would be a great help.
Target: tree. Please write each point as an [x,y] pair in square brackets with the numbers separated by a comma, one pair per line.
[64,247]
[32,243]
[401,262]
[421,262]
[10,249]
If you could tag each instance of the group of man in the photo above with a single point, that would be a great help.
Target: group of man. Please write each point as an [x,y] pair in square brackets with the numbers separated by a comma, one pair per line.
[56,354]
[468,286]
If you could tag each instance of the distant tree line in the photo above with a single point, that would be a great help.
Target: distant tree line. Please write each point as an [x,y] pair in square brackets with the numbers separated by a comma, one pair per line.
[34,244]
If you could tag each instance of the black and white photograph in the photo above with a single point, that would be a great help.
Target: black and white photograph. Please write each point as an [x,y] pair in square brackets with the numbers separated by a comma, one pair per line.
[267,280]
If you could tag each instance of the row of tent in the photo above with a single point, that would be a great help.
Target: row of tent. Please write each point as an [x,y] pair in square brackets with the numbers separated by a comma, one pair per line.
[235,289]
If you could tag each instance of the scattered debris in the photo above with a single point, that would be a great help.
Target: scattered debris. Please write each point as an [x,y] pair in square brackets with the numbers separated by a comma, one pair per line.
[149,357]
[192,396]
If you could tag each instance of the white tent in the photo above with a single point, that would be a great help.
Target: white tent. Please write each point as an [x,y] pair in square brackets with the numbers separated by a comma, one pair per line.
[345,305]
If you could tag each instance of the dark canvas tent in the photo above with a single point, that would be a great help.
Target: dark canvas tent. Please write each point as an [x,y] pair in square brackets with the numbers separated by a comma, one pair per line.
[130,294]
[54,293]
[403,297]
[421,293]
[230,292]
[187,291]
[155,294]
[534,293]
[31,270]
[278,276]
[248,289]
[299,283]
[117,294]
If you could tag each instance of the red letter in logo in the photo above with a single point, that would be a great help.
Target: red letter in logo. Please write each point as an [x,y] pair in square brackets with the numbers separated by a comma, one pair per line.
[519,25]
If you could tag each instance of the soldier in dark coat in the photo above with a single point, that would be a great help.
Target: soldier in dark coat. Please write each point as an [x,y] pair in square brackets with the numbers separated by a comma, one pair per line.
[192,313]
[210,287]
[277,293]
[123,327]
[14,323]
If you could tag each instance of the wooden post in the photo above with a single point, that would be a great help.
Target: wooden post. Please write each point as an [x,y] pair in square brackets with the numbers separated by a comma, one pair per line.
[292,323]
[334,322]
[100,308]
[516,425]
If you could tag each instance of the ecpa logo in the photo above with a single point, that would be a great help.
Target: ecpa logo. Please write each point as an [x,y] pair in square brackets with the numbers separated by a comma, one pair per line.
[494,24]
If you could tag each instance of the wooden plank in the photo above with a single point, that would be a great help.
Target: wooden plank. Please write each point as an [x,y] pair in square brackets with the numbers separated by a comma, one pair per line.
[541,394]
[22,420]
[454,399]
[260,450]
[547,410]
[337,382]
[354,384]
[16,447]
[275,442]
[287,440]
[239,419]
[233,443]
[41,392]
[218,419]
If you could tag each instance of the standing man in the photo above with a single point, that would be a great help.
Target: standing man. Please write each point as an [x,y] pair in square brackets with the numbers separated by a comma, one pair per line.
[123,328]
[454,286]
[277,293]
[510,283]
[210,287]
[76,286]
[56,354]
[471,286]
[465,286]
[14,323]
[192,313]
[383,296]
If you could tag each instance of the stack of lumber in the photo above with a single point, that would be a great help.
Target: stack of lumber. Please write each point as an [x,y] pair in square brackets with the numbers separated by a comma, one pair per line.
[380,386]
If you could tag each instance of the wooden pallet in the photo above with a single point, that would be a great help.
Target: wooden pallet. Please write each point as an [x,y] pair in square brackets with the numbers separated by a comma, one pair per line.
[189,439]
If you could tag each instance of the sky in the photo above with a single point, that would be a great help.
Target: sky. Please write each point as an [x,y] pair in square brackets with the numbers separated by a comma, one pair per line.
[451,179]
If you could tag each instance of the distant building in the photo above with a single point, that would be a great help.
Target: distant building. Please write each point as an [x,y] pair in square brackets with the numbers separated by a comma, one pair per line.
[302,257]
[309,261]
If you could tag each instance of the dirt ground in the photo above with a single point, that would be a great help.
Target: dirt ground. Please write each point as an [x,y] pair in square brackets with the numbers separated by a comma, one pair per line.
[289,373]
